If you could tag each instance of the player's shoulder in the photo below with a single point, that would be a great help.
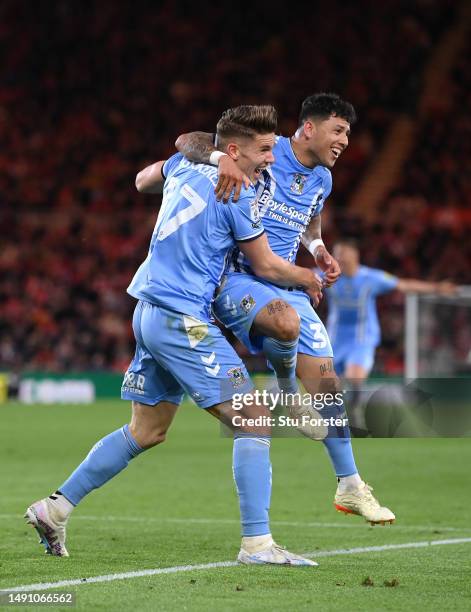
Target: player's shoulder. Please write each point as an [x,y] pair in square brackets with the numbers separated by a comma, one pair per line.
[375,274]
[246,205]
[247,196]
[180,166]
[368,271]
[325,175]
[171,164]
[282,149]
[324,172]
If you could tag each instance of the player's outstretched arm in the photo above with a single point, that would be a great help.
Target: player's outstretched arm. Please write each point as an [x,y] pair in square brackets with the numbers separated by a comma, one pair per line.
[312,240]
[198,147]
[151,179]
[412,285]
[277,270]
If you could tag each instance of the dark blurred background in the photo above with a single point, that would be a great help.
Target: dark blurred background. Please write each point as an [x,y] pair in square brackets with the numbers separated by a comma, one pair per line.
[91,92]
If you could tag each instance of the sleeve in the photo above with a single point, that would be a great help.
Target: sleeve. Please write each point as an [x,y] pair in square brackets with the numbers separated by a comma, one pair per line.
[244,219]
[319,199]
[171,164]
[382,282]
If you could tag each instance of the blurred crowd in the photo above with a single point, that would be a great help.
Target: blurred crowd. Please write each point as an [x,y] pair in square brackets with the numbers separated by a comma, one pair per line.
[93,92]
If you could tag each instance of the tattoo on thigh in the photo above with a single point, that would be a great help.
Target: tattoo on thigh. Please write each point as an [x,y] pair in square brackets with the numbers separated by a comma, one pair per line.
[275,307]
[326,367]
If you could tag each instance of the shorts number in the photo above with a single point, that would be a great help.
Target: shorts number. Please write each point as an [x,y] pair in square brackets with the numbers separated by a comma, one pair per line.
[320,341]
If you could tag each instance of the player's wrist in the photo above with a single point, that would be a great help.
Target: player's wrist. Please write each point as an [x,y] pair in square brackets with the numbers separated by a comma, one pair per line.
[215,157]
[308,281]
[314,245]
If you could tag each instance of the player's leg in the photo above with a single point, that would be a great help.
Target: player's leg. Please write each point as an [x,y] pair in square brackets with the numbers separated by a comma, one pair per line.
[316,371]
[358,365]
[319,379]
[107,458]
[263,321]
[155,396]
[251,426]
[212,373]
[110,455]
[278,324]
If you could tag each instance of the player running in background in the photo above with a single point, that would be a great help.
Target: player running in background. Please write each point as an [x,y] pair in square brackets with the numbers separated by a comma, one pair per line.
[352,320]
[179,348]
[269,318]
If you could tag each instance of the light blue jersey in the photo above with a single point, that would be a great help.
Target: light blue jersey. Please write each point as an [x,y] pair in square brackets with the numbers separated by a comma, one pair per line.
[289,195]
[353,318]
[191,239]
[178,348]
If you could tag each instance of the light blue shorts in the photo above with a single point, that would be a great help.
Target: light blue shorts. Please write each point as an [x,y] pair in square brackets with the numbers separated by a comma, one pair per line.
[348,353]
[242,296]
[177,353]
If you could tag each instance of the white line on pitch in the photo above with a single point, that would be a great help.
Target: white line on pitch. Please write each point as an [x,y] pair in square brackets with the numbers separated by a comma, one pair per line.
[216,521]
[42,586]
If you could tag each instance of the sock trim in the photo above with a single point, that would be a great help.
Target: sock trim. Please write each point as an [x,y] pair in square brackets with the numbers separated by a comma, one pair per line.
[133,445]
[261,439]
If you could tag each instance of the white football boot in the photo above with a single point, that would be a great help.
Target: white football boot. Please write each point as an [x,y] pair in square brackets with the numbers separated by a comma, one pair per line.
[361,501]
[50,525]
[267,552]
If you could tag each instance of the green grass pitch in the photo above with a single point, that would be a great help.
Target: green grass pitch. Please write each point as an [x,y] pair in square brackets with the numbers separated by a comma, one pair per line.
[176,505]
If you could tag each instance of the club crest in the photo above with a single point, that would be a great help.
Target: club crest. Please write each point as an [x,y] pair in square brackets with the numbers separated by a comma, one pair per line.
[299,180]
[247,303]
[237,377]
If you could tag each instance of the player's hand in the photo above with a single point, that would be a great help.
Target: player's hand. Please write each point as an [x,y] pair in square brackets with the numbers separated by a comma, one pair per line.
[446,288]
[316,297]
[313,284]
[230,178]
[328,264]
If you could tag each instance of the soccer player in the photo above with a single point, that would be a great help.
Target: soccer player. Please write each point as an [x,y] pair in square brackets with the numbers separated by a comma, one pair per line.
[268,317]
[179,348]
[352,320]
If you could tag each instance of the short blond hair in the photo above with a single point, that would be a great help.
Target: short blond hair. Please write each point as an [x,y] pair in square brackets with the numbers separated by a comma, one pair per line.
[246,121]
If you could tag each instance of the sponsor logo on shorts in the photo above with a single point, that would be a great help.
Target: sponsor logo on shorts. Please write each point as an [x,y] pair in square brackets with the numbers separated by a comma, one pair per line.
[236,376]
[134,383]
[247,303]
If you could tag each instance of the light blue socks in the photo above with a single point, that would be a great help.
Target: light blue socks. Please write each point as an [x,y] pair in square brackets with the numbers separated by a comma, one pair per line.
[107,458]
[282,355]
[338,443]
[252,475]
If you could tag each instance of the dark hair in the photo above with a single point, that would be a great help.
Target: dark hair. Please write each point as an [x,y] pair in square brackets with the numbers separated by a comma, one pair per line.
[324,105]
[248,120]
[348,242]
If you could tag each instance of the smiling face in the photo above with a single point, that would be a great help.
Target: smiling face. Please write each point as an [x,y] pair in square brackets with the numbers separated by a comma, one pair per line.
[253,154]
[327,138]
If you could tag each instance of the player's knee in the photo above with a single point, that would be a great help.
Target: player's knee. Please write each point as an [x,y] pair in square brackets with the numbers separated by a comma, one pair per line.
[287,325]
[150,436]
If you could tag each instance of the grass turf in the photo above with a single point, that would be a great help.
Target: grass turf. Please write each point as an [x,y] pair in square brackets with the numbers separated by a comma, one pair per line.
[176,505]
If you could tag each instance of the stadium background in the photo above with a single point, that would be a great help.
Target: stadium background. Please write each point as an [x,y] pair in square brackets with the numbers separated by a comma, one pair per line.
[91,93]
